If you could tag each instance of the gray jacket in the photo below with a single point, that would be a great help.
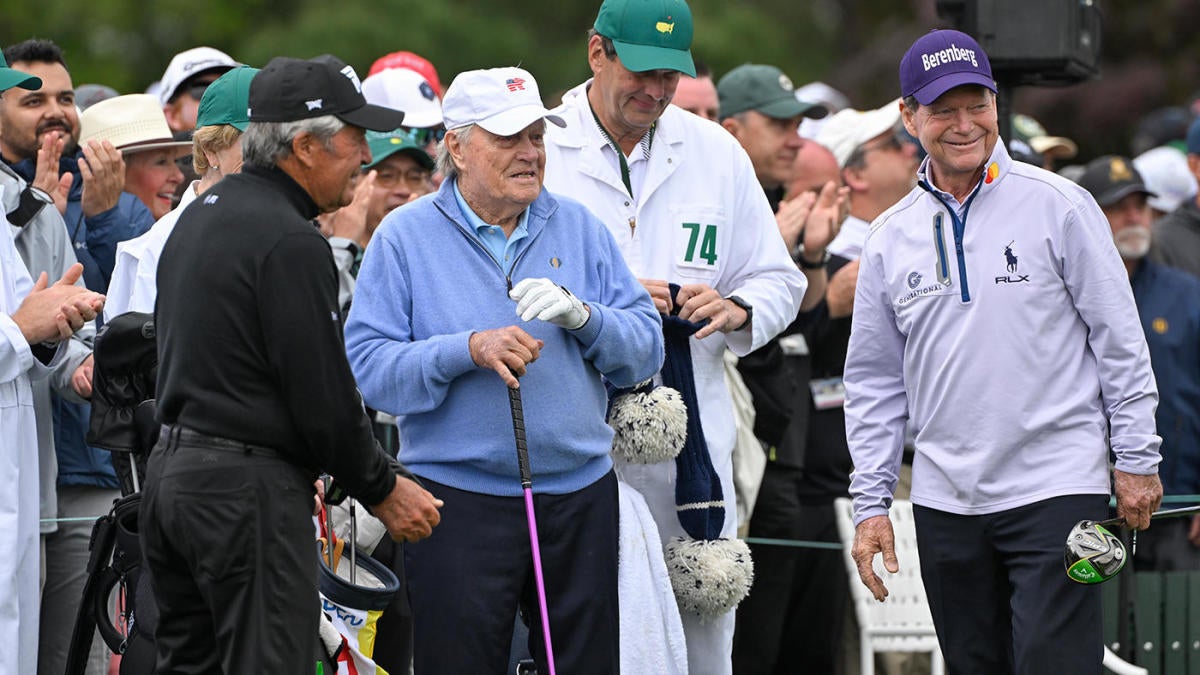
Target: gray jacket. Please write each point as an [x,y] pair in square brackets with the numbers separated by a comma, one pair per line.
[45,247]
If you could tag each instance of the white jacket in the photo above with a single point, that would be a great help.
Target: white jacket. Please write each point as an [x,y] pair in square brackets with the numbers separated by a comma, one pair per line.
[1012,359]
[19,564]
[702,218]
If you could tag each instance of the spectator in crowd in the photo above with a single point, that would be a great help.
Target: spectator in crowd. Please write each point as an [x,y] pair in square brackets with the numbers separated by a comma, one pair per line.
[134,125]
[698,95]
[827,97]
[36,321]
[41,143]
[988,256]
[776,630]
[410,91]
[1168,302]
[1051,149]
[1165,172]
[183,83]
[42,242]
[680,197]
[1176,241]
[878,163]
[87,95]
[254,389]
[513,250]
[409,61]
[216,152]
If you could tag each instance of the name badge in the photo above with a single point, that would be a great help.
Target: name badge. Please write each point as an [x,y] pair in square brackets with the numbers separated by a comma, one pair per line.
[828,393]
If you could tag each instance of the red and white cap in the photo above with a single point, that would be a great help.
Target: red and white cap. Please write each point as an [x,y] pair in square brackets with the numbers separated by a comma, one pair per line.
[501,100]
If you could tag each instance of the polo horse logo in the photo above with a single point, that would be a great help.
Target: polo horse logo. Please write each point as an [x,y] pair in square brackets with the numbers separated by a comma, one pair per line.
[1012,258]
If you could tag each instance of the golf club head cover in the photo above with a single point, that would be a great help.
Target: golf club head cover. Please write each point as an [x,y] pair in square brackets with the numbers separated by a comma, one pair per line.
[649,422]
[709,578]
[699,501]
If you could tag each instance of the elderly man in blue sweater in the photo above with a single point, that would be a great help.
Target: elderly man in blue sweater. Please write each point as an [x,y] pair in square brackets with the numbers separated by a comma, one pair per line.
[459,293]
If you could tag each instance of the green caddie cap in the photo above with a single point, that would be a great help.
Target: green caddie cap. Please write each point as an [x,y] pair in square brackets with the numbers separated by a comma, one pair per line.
[227,100]
[764,89]
[10,78]
[649,34]
[384,144]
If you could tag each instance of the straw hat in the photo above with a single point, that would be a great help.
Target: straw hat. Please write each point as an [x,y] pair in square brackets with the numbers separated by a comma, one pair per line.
[132,123]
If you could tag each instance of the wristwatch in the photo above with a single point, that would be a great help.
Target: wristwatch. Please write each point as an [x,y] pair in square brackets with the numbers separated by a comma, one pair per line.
[747,307]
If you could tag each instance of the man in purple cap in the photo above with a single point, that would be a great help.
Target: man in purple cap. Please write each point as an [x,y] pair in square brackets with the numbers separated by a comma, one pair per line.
[254,389]
[993,315]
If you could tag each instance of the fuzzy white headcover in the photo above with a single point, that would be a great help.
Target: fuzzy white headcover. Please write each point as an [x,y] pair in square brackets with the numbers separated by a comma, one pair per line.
[709,577]
[649,427]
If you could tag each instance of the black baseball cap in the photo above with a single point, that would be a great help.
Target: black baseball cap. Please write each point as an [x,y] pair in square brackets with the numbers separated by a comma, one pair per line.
[1111,178]
[288,89]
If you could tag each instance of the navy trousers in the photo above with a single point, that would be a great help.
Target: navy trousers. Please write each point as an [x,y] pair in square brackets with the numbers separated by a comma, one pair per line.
[467,581]
[999,592]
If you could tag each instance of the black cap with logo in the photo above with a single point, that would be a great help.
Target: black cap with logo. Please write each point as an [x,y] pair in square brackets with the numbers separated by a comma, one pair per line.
[288,89]
[1111,178]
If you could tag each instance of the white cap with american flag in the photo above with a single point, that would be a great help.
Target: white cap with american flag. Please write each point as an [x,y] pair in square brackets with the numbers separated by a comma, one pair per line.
[501,100]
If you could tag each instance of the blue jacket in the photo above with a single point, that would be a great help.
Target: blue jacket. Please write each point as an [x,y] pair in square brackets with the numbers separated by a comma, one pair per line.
[426,284]
[1168,301]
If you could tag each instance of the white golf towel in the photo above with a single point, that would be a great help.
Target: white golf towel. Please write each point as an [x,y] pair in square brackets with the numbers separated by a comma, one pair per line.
[651,631]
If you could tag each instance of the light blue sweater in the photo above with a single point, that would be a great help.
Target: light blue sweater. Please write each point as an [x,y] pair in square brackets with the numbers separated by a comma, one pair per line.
[427,284]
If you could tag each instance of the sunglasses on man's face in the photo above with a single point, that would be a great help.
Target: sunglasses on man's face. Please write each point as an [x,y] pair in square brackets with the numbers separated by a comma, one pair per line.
[196,89]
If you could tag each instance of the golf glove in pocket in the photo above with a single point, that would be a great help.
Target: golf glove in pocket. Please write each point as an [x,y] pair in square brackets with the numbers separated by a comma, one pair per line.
[545,300]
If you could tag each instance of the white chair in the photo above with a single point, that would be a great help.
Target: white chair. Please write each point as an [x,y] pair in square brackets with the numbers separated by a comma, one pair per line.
[902,623]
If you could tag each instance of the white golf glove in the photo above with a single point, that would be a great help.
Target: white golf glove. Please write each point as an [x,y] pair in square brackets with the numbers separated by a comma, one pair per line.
[543,299]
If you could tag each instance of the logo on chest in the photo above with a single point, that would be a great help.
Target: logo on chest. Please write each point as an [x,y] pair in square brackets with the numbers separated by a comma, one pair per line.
[1012,267]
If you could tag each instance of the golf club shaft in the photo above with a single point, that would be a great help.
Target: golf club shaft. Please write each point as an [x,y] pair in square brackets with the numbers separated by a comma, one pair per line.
[518,417]
[1169,513]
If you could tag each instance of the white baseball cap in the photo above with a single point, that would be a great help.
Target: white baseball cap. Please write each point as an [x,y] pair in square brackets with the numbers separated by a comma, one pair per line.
[190,63]
[1165,171]
[501,100]
[408,91]
[849,128]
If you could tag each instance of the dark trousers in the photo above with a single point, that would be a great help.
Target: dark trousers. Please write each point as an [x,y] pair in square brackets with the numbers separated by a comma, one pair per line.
[999,593]
[228,537]
[466,582]
[792,620]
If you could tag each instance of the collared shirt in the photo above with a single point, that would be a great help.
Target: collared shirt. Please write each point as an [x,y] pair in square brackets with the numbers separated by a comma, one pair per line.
[502,248]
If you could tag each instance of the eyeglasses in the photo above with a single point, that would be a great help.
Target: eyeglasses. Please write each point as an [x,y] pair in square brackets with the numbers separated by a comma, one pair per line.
[894,141]
[427,135]
[388,178]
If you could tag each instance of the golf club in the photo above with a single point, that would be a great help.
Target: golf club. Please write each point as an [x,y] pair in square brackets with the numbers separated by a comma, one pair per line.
[518,418]
[1095,555]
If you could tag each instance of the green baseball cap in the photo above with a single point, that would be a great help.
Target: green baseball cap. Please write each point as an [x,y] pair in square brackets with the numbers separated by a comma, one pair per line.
[764,89]
[227,100]
[649,34]
[384,144]
[10,78]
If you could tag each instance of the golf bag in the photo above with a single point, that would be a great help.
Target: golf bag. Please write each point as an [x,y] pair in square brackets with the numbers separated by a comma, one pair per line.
[126,364]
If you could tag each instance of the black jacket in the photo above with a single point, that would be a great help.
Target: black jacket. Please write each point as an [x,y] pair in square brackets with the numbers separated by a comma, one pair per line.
[250,337]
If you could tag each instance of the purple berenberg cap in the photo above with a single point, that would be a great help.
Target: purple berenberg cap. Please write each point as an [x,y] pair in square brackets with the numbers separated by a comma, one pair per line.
[941,60]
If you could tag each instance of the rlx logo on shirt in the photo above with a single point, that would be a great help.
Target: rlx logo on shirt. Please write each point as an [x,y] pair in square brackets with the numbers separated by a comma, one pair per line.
[1010,260]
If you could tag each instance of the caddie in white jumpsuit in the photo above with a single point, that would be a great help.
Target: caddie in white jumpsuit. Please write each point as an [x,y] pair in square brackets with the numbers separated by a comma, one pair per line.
[682,200]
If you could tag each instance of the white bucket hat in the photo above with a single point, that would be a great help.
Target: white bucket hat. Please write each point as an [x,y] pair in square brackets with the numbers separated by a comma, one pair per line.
[501,100]
[132,123]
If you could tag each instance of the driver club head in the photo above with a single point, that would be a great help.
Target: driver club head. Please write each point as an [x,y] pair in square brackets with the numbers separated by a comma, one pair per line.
[1094,555]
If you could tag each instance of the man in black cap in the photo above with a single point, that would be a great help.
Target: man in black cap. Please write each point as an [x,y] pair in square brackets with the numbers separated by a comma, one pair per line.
[1168,303]
[254,389]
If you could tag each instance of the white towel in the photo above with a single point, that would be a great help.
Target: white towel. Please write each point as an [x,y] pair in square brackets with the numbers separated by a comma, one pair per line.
[652,641]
